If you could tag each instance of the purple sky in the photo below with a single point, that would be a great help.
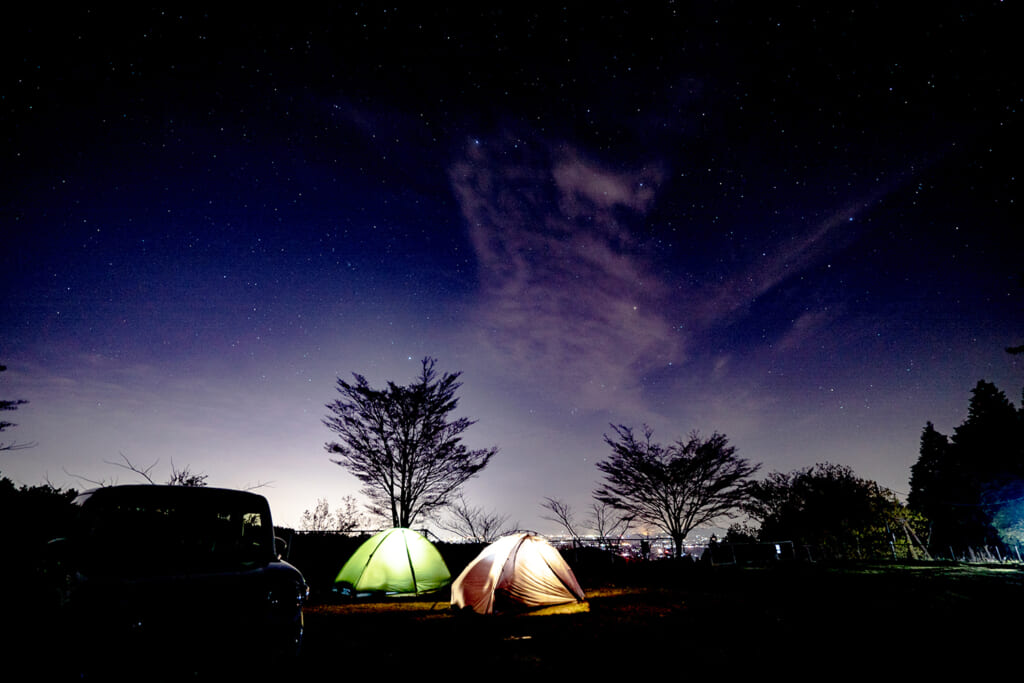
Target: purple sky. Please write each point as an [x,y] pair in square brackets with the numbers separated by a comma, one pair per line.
[798,228]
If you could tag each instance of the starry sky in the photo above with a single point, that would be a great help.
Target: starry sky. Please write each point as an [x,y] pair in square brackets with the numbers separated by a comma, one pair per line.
[799,227]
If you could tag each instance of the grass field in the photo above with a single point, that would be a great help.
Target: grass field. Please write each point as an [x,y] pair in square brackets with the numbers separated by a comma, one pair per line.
[801,621]
[805,620]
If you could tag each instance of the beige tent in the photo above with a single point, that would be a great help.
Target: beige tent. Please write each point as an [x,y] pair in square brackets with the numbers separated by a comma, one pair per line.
[521,570]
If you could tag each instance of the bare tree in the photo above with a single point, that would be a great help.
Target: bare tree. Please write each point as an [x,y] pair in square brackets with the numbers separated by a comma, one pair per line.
[182,477]
[562,514]
[346,518]
[317,520]
[144,472]
[402,443]
[6,405]
[676,487]
[87,480]
[610,523]
[474,523]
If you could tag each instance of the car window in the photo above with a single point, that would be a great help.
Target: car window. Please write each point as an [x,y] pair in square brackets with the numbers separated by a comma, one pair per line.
[142,537]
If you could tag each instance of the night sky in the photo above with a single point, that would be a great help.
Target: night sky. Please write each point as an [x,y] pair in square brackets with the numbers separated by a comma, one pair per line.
[798,227]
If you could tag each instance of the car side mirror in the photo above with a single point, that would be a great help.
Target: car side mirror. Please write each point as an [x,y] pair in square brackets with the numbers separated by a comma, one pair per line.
[280,546]
[57,552]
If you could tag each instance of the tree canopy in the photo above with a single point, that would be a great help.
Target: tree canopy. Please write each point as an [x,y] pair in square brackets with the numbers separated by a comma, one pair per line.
[403,443]
[677,487]
[969,485]
[829,507]
[35,516]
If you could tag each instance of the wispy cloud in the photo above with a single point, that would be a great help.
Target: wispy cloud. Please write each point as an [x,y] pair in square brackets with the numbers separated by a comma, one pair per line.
[792,255]
[566,296]
[806,327]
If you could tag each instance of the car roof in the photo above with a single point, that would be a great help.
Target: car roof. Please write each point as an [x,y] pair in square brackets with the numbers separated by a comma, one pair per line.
[161,492]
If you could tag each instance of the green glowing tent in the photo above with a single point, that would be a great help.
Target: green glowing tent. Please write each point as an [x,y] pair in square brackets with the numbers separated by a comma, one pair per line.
[396,562]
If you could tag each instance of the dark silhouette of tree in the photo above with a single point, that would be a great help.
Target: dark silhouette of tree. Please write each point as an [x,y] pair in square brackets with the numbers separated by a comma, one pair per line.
[932,484]
[740,532]
[831,508]
[346,518]
[675,488]
[968,485]
[402,443]
[474,523]
[182,477]
[35,516]
[319,519]
[927,473]
[7,405]
[610,523]
[186,477]
[562,514]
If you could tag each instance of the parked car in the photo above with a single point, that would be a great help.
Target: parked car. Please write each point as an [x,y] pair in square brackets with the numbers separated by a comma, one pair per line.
[171,575]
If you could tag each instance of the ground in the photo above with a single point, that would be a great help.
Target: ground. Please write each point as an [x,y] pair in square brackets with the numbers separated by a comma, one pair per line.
[804,620]
[801,620]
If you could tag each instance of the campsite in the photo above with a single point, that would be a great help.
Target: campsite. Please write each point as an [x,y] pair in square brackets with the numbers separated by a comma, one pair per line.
[639,619]
[642,618]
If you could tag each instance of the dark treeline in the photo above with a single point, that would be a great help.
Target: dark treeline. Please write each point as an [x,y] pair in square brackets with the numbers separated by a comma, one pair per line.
[970,486]
[966,497]
[832,513]
[33,516]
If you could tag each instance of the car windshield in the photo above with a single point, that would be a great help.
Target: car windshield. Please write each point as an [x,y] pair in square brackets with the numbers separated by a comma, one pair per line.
[165,536]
